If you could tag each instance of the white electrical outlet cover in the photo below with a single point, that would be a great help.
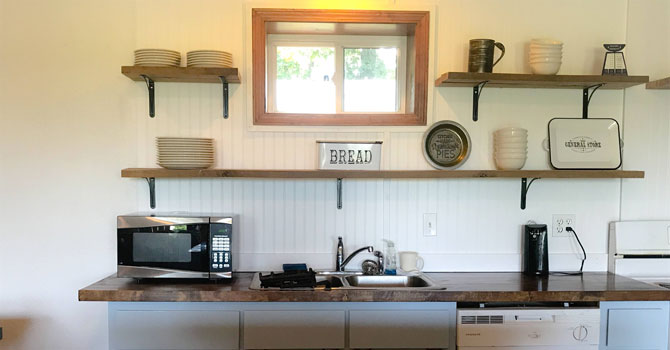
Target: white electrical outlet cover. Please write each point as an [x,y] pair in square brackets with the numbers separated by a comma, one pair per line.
[430,224]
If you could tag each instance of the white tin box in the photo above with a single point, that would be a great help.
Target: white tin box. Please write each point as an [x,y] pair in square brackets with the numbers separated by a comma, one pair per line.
[349,155]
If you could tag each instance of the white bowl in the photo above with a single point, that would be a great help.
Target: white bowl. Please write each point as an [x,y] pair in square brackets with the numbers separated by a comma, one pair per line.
[542,60]
[511,131]
[545,41]
[516,145]
[507,139]
[510,154]
[510,164]
[545,68]
[542,55]
[545,52]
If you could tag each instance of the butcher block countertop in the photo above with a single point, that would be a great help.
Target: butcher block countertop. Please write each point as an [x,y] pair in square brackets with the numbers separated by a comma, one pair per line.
[460,287]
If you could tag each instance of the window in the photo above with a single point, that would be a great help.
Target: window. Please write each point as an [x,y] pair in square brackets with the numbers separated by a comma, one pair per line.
[337,74]
[339,67]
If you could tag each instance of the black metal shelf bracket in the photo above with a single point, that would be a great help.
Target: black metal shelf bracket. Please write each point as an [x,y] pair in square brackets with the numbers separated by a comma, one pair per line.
[224,82]
[586,99]
[339,193]
[525,186]
[476,93]
[152,99]
[152,191]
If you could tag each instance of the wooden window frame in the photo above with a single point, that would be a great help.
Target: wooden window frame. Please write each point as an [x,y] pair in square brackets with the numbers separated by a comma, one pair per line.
[420,19]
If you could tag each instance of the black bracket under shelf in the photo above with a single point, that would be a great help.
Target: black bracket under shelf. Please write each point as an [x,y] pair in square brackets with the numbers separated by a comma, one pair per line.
[339,193]
[586,98]
[224,82]
[152,191]
[525,186]
[476,93]
[152,99]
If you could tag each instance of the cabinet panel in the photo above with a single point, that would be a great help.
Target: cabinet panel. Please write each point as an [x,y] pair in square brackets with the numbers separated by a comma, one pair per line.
[635,325]
[374,329]
[175,330]
[294,329]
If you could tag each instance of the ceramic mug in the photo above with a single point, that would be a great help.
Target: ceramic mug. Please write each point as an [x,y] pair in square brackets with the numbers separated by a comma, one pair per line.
[410,261]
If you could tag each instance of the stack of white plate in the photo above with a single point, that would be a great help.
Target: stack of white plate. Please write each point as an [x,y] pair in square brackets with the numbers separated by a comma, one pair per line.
[185,152]
[209,58]
[157,58]
[511,148]
[545,56]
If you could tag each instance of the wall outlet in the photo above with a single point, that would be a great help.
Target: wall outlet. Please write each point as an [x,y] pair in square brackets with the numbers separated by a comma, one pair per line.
[430,224]
[560,222]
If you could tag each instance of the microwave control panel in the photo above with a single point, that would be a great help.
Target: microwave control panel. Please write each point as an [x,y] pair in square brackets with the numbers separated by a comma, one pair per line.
[220,258]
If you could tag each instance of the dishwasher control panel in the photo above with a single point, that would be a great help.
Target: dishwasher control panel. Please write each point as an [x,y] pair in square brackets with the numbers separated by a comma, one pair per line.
[538,327]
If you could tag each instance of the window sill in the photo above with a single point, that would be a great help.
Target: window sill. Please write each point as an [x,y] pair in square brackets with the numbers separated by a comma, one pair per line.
[348,119]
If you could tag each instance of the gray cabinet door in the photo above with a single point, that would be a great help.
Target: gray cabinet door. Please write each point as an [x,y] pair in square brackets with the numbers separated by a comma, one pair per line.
[290,329]
[174,330]
[388,329]
[634,325]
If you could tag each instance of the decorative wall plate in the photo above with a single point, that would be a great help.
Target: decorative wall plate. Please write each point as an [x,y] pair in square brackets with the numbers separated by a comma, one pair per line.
[446,145]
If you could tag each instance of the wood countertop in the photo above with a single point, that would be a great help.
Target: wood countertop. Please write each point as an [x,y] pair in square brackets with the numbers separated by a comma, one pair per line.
[460,287]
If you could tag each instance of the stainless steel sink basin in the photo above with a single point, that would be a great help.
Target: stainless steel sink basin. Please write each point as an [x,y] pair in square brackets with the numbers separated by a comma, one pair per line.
[356,280]
[387,281]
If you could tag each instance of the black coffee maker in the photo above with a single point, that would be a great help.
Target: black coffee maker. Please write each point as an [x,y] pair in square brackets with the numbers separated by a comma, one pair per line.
[535,250]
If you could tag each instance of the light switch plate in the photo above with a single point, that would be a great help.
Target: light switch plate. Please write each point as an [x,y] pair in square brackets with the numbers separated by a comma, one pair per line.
[430,224]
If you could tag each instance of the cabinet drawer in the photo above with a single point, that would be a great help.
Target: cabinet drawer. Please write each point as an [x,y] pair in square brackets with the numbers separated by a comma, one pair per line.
[294,329]
[637,328]
[176,330]
[373,329]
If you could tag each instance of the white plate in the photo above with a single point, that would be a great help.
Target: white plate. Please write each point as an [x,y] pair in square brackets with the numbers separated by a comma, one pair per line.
[184,138]
[208,51]
[156,65]
[576,143]
[210,65]
[208,54]
[161,54]
[156,50]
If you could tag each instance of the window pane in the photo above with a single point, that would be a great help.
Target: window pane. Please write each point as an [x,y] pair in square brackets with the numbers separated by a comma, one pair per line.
[304,80]
[370,83]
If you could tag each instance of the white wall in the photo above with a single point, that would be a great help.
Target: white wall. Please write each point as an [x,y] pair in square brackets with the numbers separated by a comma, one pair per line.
[63,140]
[71,121]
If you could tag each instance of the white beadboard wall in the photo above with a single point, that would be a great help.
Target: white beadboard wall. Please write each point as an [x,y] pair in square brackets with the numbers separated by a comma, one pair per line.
[479,221]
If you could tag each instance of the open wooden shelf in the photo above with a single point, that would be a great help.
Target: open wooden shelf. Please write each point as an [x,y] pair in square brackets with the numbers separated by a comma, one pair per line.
[661,84]
[151,174]
[507,80]
[382,174]
[182,74]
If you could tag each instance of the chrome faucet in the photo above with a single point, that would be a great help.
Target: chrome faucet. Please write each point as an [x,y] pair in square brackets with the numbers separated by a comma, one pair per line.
[339,264]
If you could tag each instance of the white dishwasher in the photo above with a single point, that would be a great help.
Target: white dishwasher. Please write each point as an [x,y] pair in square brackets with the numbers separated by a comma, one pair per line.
[528,329]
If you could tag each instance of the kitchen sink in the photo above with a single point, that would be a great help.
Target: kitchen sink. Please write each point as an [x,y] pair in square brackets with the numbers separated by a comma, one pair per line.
[356,280]
[387,281]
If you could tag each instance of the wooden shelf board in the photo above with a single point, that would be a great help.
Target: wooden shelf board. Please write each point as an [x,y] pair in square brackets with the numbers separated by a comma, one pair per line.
[384,174]
[661,84]
[182,74]
[505,80]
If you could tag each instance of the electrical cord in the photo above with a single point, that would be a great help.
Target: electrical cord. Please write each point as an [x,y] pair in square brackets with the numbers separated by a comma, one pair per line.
[581,268]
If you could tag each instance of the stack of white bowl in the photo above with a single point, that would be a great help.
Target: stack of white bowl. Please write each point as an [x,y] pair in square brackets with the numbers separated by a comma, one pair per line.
[545,56]
[185,152]
[511,148]
[157,58]
[209,58]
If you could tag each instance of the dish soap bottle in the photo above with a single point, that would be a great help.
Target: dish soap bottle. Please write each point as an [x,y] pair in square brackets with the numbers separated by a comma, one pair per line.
[390,258]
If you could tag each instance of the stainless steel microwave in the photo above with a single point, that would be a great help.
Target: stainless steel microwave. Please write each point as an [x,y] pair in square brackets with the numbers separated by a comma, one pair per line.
[175,245]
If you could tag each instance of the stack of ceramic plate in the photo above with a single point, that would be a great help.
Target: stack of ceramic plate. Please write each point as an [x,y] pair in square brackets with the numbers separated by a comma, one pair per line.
[209,58]
[185,152]
[545,56]
[157,58]
[511,148]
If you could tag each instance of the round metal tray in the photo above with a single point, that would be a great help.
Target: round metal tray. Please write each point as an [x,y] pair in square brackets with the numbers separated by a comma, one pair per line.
[446,145]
